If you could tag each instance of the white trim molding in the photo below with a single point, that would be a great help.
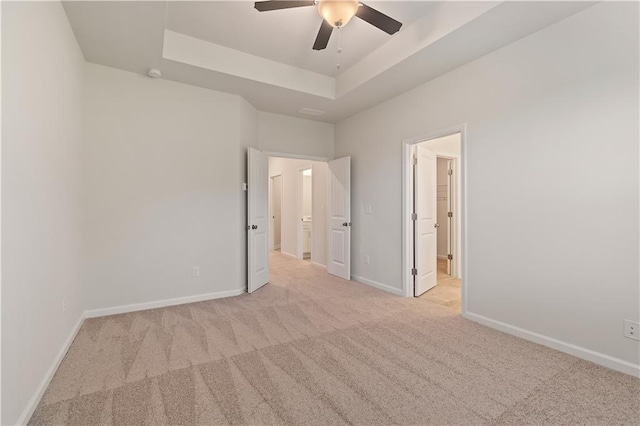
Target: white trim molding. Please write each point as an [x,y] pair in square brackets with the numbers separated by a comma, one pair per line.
[293,256]
[376,284]
[35,399]
[568,348]
[319,265]
[94,313]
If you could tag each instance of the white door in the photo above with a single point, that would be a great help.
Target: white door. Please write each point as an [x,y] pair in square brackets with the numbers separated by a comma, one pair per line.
[425,204]
[257,220]
[339,218]
[276,210]
[449,216]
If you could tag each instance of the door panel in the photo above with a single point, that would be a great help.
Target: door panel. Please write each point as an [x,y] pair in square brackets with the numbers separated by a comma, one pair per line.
[339,218]
[257,220]
[276,209]
[426,244]
[449,217]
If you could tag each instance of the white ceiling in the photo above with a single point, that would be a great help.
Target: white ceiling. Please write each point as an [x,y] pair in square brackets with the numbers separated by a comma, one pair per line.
[287,35]
[267,57]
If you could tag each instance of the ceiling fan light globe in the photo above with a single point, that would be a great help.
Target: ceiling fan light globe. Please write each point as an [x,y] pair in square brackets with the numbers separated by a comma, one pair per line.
[337,12]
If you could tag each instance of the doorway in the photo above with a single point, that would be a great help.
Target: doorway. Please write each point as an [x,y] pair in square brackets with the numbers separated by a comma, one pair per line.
[298,198]
[433,250]
[329,238]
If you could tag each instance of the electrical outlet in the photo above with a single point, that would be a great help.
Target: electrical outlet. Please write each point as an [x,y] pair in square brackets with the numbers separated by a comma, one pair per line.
[632,329]
[366,259]
[64,306]
[196,271]
[367,209]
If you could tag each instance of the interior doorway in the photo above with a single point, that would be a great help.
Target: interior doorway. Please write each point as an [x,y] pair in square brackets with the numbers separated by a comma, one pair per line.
[302,200]
[433,233]
[329,237]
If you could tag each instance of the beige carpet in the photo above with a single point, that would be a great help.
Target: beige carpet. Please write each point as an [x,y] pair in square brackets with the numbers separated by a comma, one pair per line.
[311,349]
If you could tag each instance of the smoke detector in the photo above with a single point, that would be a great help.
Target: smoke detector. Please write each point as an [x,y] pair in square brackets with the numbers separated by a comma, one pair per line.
[154,73]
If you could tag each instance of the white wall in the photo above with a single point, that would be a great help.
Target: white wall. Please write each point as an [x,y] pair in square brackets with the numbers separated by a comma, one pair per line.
[164,167]
[290,135]
[41,197]
[290,169]
[552,180]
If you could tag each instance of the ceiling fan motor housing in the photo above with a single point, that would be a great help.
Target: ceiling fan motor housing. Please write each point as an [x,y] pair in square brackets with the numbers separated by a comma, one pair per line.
[337,12]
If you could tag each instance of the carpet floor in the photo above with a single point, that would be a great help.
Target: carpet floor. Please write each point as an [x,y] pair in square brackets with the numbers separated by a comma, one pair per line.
[312,349]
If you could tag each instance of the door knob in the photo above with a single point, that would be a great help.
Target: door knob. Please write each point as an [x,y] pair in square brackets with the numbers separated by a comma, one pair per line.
[254,226]
[436,225]
[345,224]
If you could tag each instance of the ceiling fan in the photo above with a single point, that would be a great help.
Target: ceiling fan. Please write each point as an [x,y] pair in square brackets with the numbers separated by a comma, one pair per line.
[335,14]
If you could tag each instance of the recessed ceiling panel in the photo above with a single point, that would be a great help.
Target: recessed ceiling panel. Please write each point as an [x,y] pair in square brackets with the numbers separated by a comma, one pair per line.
[288,35]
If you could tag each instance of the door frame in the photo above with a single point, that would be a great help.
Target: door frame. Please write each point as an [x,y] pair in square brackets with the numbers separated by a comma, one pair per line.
[272,241]
[407,204]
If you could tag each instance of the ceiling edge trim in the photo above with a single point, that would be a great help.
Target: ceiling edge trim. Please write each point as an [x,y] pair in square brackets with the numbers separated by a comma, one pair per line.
[204,54]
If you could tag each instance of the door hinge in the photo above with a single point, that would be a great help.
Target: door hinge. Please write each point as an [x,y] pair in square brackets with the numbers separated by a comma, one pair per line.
[414,160]
[414,216]
[450,256]
[414,271]
[450,214]
[450,172]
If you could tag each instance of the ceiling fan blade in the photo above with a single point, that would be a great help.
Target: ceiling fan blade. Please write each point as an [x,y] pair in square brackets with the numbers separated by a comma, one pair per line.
[265,6]
[322,39]
[378,19]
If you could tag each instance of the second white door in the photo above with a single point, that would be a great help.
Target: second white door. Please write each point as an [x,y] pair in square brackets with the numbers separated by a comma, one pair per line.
[339,218]
[257,220]
[426,243]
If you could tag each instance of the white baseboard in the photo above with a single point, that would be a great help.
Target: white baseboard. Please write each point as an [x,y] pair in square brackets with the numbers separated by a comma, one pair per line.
[276,247]
[571,349]
[319,265]
[93,313]
[35,400]
[289,254]
[379,286]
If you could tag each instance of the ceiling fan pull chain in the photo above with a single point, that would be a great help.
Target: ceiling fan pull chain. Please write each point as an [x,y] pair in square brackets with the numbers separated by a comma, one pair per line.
[339,46]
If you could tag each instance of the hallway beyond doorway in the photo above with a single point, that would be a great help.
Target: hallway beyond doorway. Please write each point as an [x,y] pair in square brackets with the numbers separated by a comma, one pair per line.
[447,290]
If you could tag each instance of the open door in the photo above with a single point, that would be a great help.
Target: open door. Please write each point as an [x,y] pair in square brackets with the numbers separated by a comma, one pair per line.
[339,218]
[257,220]
[425,202]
